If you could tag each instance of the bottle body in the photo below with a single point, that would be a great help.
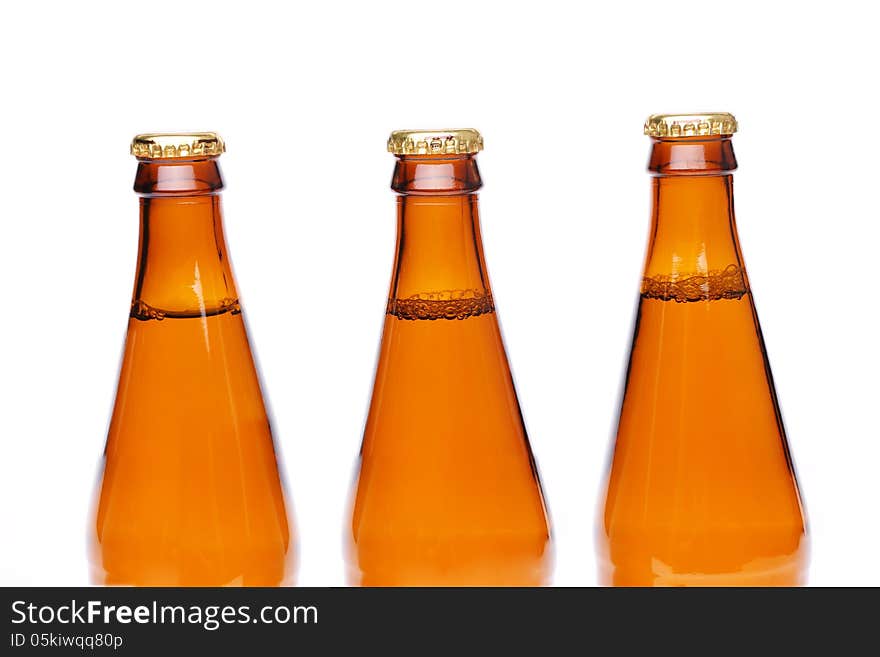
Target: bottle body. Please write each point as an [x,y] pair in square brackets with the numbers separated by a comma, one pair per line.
[190,493]
[701,488]
[447,491]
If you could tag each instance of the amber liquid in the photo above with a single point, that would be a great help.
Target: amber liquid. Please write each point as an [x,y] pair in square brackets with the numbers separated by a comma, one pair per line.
[447,493]
[701,490]
[190,494]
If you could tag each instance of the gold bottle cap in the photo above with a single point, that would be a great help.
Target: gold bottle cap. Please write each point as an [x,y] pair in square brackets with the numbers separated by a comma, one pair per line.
[177,145]
[435,142]
[690,125]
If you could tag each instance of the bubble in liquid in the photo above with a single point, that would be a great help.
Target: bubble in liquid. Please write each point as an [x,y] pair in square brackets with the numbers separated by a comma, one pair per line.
[443,304]
[727,283]
[142,311]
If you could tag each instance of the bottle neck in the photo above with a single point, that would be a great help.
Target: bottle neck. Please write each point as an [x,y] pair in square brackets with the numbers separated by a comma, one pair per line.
[693,251]
[183,268]
[439,268]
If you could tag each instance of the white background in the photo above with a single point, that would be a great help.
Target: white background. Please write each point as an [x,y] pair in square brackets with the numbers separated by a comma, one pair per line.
[305,96]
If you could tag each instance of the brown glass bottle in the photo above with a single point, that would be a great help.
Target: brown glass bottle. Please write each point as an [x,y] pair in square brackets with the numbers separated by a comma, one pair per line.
[701,489]
[447,491]
[190,493]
